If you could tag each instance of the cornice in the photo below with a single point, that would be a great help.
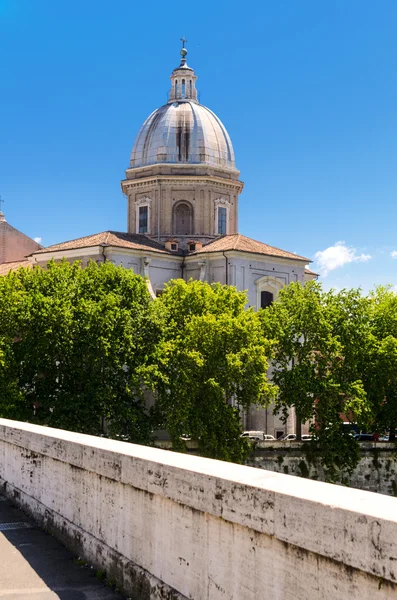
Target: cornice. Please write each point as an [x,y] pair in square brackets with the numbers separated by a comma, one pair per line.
[180,180]
[140,253]
[72,253]
[222,202]
[184,167]
[247,255]
[101,250]
[144,201]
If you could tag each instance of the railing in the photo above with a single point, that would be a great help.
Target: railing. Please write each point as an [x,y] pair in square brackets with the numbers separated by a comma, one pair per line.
[163,523]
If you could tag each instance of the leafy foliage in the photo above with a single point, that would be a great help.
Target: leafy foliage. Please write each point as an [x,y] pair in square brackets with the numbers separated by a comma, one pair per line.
[317,364]
[79,340]
[211,364]
[79,346]
[381,380]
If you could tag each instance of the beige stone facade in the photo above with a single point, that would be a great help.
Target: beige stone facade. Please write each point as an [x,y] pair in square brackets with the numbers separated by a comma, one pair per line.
[182,202]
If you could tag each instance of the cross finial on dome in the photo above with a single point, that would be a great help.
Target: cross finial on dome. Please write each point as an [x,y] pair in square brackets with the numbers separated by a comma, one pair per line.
[183,79]
[183,50]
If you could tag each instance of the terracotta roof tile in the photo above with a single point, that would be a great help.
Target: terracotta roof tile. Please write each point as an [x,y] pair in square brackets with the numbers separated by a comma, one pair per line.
[108,238]
[5,268]
[310,272]
[245,244]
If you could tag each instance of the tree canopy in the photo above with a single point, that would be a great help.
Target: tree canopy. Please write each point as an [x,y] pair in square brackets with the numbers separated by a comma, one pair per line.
[333,360]
[211,364]
[73,342]
[80,347]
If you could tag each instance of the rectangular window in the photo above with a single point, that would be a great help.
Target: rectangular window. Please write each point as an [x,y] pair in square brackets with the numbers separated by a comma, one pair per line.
[143,219]
[222,212]
[266,299]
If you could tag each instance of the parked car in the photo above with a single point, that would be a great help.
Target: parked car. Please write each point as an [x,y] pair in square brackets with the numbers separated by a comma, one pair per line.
[291,437]
[257,436]
[350,428]
[288,437]
[364,437]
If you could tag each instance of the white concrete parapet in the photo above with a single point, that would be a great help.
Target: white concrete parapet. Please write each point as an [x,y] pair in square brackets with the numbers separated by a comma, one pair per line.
[169,525]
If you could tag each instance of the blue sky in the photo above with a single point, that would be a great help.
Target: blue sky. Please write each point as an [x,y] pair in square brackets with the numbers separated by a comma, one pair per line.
[306,89]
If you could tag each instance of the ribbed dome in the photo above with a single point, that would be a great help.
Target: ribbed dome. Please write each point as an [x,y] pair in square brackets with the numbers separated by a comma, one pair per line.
[183,131]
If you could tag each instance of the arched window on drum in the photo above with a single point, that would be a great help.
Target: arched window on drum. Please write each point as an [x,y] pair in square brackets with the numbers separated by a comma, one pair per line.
[183,219]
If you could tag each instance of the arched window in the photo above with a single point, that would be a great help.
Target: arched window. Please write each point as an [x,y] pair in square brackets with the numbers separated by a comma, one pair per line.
[183,88]
[267,289]
[176,88]
[183,219]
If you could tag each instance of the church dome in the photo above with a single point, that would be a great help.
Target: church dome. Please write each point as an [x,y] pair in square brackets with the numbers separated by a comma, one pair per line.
[183,131]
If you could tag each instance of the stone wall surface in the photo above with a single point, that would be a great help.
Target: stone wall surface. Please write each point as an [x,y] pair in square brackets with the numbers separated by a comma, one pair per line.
[14,245]
[376,471]
[168,525]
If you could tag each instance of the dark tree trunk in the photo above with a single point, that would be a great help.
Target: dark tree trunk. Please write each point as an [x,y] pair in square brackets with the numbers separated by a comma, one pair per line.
[298,427]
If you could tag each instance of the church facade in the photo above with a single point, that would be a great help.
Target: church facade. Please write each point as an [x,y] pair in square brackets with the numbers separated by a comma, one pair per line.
[182,189]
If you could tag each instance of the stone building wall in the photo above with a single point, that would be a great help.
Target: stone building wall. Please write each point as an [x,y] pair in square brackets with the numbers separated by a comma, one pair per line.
[376,472]
[14,245]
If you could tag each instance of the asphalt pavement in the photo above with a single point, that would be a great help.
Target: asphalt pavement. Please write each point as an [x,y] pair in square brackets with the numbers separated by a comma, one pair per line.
[35,566]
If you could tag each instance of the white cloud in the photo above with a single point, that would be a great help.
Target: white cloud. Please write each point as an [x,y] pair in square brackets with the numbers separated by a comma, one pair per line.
[38,240]
[337,256]
[394,254]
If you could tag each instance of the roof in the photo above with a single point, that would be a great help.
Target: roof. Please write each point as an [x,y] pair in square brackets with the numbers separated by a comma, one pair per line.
[236,242]
[109,238]
[309,272]
[241,243]
[183,132]
[14,266]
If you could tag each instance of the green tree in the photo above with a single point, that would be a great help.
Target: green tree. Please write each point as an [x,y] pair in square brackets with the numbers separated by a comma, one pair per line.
[81,339]
[211,364]
[316,367]
[13,404]
[381,380]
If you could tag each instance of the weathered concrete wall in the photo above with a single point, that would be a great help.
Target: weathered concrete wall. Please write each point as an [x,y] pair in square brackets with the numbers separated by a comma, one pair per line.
[167,525]
[376,472]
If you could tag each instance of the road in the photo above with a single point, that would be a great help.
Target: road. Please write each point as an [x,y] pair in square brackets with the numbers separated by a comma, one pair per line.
[35,566]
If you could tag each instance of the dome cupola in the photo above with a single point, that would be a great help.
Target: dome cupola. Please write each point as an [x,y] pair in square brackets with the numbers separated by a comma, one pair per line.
[183,131]
[182,184]
[183,80]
